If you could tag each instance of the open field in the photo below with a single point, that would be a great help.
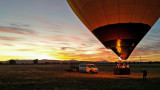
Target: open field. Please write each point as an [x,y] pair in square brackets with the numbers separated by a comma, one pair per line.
[53,77]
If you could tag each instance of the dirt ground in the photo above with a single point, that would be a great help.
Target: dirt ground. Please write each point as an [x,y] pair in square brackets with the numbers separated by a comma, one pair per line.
[54,77]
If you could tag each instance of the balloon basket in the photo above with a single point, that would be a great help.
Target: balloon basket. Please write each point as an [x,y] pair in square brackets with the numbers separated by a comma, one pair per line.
[122,69]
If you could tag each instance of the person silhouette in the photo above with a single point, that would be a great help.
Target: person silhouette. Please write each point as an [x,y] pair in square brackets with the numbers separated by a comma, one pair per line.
[144,74]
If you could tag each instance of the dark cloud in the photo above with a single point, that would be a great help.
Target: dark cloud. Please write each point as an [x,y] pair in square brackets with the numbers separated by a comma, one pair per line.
[13,24]
[17,30]
[25,25]
[19,25]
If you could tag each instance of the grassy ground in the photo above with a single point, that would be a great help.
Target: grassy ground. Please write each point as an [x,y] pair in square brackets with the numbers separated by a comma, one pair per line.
[53,77]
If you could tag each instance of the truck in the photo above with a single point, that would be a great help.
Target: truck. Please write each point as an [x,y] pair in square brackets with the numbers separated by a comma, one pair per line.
[88,68]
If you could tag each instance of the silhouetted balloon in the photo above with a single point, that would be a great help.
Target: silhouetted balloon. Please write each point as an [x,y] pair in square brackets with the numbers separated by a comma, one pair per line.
[118,24]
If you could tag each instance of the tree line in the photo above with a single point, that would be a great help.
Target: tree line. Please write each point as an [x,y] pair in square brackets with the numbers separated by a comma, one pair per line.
[13,62]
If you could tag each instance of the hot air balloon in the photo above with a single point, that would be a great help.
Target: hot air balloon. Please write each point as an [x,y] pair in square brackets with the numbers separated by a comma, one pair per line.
[118,24]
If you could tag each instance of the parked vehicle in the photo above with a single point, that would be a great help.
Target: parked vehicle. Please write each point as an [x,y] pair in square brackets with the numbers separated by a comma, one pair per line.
[89,68]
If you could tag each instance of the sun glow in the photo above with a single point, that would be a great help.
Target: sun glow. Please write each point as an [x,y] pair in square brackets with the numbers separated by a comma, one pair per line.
[43,56]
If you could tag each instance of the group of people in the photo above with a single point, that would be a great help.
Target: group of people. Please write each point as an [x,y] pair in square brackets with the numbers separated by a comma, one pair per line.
[122,65]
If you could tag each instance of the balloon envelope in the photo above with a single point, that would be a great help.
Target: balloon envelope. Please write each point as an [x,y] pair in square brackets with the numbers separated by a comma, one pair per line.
[118,24]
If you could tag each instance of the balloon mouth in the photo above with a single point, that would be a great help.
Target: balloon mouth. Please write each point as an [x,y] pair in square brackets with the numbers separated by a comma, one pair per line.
[122,47]
[121,38]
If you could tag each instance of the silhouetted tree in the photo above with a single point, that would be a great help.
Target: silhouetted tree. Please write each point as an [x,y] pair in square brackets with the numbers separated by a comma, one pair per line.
[35,61]
[12,62]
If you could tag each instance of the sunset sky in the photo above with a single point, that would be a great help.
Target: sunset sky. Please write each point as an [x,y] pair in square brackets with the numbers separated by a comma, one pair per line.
[48,29]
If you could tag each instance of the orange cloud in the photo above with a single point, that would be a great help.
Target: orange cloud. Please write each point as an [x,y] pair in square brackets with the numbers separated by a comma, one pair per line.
[10,31]
[10,38]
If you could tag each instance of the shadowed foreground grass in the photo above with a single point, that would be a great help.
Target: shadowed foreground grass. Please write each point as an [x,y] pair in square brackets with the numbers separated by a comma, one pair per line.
[53,77]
